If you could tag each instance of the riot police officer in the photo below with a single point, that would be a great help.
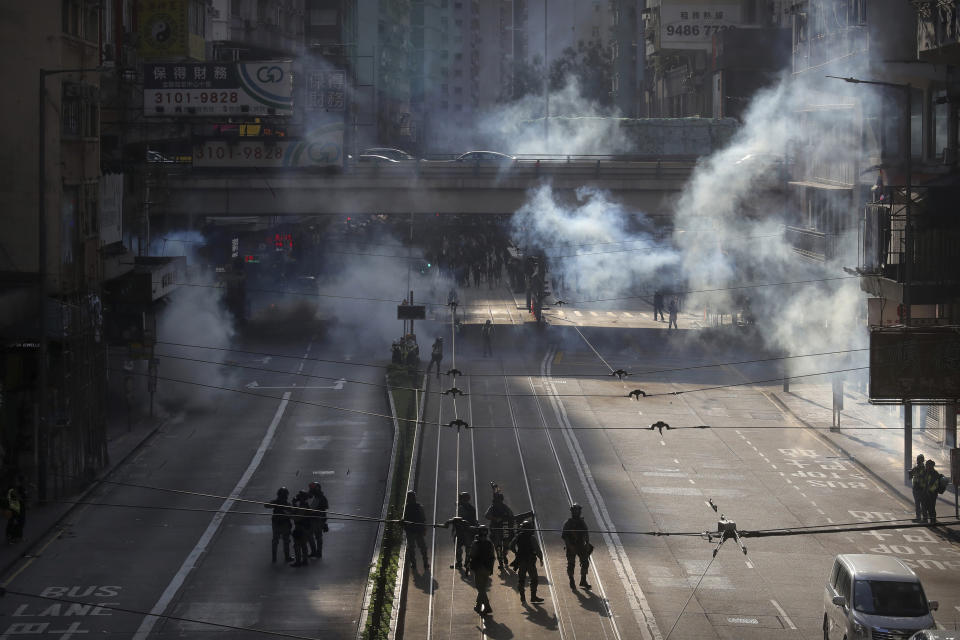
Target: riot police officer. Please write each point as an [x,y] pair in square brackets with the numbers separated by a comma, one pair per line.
[413,525]
[501,524]
[302,526]
[318,521]
[527,551]
[280,522]
[480,559]
[464,525]
[576,538]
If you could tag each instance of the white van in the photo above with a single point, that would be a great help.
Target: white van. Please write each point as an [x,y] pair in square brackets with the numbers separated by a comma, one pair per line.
[875,597]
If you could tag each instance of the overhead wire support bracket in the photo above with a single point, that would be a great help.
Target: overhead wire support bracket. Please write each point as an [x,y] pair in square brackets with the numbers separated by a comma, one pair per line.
[458,423]
[726,530]
[620,373]
[454,391]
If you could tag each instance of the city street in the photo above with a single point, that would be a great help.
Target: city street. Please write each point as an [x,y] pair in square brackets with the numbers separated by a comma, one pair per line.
[163,548]
[550,425]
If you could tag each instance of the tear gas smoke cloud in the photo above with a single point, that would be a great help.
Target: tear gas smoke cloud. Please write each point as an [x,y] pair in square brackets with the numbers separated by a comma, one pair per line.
[729,232]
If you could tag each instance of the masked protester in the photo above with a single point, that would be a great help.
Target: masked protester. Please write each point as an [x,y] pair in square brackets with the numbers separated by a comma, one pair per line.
[576,538]
[527,551]
[280,523]
[318,523]
[481,560]
[302,523]
[413,525]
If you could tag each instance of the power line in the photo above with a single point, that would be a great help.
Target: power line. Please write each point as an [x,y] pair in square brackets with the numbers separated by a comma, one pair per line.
[520,374]
[582,301]
[575,428]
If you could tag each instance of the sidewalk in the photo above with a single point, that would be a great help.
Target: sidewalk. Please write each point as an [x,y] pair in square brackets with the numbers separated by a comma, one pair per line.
[878,451]
[43,519]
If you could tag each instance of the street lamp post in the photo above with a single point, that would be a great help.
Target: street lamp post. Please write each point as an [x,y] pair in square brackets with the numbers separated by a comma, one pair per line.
[907,251]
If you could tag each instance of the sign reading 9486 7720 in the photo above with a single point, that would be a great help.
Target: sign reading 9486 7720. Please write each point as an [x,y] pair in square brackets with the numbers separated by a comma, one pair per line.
[691,26]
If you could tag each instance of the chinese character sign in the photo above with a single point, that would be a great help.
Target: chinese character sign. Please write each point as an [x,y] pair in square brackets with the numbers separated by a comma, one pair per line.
[691,26]
[188,89]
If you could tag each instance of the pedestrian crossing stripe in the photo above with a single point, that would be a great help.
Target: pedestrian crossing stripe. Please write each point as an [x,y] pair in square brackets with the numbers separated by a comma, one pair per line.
[577,313]
[594,314]
[627,314]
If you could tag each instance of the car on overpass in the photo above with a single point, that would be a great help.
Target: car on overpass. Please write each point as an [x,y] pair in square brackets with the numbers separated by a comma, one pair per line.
[485,158]
[397,155]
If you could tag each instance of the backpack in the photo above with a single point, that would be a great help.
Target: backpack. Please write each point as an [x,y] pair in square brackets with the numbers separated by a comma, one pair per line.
[942,484]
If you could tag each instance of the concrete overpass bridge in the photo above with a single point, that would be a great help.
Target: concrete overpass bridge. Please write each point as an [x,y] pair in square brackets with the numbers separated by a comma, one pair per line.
[418,187]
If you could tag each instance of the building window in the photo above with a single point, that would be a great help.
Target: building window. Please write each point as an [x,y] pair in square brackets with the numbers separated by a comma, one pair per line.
[444,104]
[459,23]
[323,17]
[79,114]
[916,123]
[941,114]
[262,10]
[81,18]
[457,73]
[614,50]
[458,56]
[615,82]
[196,19]
[444,54]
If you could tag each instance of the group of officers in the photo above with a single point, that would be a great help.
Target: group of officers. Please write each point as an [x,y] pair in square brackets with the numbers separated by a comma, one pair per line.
[480,546]
[304,521]
[927,484]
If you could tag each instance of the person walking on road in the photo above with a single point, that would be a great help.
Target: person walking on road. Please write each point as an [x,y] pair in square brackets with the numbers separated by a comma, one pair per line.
[413,525]
[481,560]
[318,521]
[672,311]
[527,551]
[576,539]
[302,524]
[501,524]
[280,523]
[935,486]
[464,526]
[486,333]
[17,506]
[657,305]
[436,356]
[917,479]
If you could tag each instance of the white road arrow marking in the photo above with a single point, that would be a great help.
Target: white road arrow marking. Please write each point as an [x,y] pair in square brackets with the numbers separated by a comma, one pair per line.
[337,386]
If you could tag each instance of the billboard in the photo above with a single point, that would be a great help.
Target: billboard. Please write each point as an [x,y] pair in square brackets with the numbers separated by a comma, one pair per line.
[691,26]
[917,364]
[192,89]
[320,148]
[164,30]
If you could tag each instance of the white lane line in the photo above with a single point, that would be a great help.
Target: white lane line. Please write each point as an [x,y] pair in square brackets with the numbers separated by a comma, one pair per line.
[737,431]
[821,512]
[749,564]
[690,480]
[627,315]
[594,314]
[773,465]
[750,443]
[789,481]
[191,560]
[783,614]
[829,520]
[612,314]
[577,313]
[662,443]
[649,630]
[676,461]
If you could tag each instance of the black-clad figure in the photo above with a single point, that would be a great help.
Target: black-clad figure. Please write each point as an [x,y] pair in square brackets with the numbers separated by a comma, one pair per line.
[464,526]
[302,525]
[918,480]
[501,526]
[657,305]
[413,524]
[527,551]
[481,559]
[576,538]
[318,523]
[280,522]
[436,356]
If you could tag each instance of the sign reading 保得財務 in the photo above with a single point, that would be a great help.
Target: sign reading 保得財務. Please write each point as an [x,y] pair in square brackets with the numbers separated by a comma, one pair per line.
[691,26]
[191,89]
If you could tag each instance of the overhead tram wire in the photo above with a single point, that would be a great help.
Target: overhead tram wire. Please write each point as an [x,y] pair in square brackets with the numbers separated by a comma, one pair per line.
[628,428]
[515,374]
[583,301]
[839,527]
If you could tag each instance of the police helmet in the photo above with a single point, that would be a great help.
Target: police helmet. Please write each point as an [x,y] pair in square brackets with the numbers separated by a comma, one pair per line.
[483,530]
[931,463]
[498,497]
[303,496]
[283,492]
[464,496]
[575,509]
[526,524]
[411,495]
[920,458]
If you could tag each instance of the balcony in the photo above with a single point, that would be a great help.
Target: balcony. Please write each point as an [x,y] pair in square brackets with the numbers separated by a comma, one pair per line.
[937,41]
[934,277]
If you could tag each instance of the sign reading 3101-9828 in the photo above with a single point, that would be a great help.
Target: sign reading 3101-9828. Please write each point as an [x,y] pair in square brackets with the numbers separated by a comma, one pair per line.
[191,89]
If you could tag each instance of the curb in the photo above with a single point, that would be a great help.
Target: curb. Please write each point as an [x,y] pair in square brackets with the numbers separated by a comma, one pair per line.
[368,589]
[890,487]
[400,590]
[43,537]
